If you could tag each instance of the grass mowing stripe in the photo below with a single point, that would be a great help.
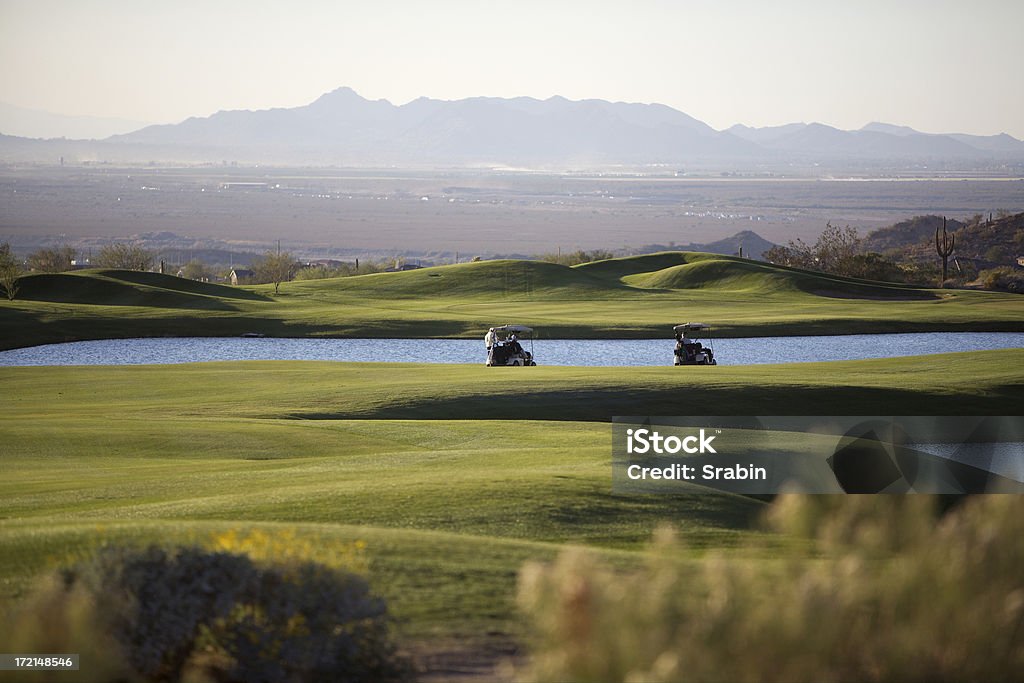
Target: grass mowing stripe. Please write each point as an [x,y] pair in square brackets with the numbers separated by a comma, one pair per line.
[976,383]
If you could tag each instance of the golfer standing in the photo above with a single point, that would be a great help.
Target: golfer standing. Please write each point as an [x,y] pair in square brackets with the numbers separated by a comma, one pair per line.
[489,343]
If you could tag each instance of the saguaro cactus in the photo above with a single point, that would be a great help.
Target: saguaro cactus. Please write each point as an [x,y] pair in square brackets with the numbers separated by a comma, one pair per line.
[944,249]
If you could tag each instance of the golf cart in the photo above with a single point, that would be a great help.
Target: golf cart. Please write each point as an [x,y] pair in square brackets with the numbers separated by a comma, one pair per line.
[689,350]
[505,348]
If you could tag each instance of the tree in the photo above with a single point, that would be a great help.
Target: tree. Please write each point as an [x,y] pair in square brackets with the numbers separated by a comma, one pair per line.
[10,269]
[125,257]
[836,249]
[197,270]
[797,255]
[276,267]
[53,260]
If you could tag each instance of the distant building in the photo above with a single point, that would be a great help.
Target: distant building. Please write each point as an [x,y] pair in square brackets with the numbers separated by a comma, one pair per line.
[241,276]
[244,186]
[404,266]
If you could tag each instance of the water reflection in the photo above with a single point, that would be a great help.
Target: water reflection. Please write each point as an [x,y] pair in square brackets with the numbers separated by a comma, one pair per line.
[606,352]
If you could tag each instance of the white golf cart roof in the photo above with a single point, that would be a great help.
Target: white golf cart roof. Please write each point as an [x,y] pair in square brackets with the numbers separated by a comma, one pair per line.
[685,327]
[515,329]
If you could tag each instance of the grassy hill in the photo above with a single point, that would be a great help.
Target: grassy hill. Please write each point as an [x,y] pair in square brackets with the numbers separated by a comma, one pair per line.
[641,296]
[130,288]
[731,274]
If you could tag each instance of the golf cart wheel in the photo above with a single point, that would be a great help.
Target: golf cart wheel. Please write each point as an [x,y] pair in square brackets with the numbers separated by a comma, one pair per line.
[533,364]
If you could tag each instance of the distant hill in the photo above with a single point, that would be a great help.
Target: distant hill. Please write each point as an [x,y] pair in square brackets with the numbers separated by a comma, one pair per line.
[1000,241]
[344,129]
[993,143]
[819,139]
[909,233]
[32,123]
[754,246]
[987,243]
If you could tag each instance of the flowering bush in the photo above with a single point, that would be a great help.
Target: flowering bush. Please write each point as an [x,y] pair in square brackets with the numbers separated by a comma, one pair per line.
[197,613]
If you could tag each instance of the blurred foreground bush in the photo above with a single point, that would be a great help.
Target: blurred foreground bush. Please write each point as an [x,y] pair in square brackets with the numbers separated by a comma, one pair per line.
[875,588]
[196,615]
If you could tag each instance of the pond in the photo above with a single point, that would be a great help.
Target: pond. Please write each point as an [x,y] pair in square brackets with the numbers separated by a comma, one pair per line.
[591,352]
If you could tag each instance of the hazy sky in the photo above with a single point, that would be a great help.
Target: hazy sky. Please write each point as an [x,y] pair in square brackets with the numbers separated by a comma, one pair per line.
[934,65]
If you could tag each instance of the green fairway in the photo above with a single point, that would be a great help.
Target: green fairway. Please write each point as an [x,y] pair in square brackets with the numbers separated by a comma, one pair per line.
[448,510]
[451,475]
[975,383]
[640,296]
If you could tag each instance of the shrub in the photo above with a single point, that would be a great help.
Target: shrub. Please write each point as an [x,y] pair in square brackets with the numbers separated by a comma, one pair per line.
[320,272]
[1003,278]
[316,273]
[577,257]
[192,612]
[59,619]
[875,588]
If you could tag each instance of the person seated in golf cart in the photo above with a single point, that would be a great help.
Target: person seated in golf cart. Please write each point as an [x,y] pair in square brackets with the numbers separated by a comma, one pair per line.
[690,351]
[500,353]
[515,348]
[686,348]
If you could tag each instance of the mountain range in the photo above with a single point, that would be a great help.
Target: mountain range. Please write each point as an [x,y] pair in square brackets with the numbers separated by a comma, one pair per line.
[34,123]
[342,128]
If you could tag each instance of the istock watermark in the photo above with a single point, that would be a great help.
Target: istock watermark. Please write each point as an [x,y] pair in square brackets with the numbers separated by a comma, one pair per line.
[642,441]
[758,455]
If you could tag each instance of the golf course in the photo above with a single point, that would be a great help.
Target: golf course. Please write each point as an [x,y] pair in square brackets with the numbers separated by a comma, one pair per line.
[438,482]
[632,297]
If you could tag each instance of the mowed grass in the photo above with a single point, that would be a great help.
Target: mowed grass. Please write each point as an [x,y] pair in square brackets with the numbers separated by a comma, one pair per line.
[640,296]
[448,510]
[452,476]
[976,383]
